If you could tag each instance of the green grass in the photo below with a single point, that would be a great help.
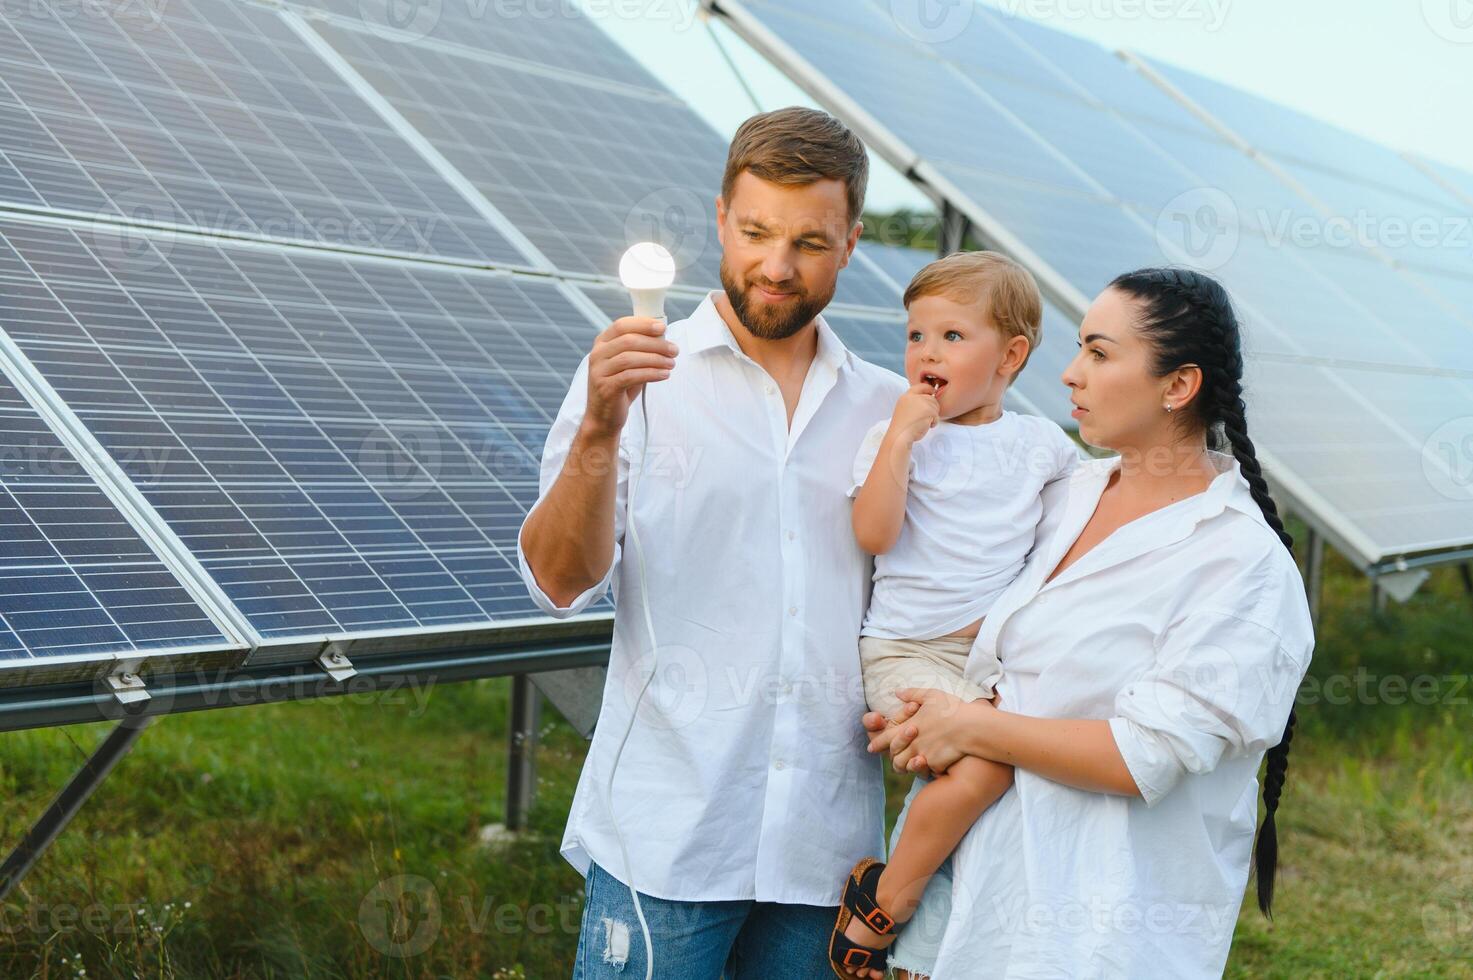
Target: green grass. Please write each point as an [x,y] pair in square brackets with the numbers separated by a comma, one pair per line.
[260,839]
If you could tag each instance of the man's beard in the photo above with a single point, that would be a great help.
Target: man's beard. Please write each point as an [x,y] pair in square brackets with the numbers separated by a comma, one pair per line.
[771,322]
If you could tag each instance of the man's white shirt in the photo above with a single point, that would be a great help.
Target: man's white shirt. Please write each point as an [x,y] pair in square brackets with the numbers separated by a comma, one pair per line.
[745,775]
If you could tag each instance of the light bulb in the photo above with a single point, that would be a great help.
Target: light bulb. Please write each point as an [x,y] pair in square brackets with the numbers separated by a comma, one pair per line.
[647,270]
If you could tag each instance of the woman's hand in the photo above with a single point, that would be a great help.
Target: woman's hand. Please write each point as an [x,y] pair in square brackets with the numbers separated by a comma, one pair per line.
[939,728]
[882,730]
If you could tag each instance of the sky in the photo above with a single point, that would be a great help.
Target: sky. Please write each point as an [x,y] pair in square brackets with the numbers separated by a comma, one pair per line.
[1396,71]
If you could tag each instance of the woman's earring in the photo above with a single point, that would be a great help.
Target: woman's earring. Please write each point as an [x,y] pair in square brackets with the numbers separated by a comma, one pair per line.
[1168,408]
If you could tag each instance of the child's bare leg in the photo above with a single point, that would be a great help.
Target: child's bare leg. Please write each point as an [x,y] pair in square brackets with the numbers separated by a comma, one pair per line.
[938,818]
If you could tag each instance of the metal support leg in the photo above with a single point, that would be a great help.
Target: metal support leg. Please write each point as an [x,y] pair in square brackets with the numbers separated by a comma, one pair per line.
[1466,571]
[1378,597]
[521,782]
[1314,578]
[954,229]
[70,800]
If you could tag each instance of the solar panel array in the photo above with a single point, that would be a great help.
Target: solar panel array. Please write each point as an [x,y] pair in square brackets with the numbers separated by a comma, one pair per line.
[290,295]
[212,114]
[305,286]
[1091,167]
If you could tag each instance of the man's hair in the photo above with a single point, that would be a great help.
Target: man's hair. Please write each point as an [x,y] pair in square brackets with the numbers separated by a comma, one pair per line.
[1006,292]
[799,146]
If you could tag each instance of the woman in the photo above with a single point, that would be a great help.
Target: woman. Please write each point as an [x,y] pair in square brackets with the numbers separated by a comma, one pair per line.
[1152,647]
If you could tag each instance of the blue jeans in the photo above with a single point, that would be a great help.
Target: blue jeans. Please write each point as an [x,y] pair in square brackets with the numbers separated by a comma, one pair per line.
[733,940]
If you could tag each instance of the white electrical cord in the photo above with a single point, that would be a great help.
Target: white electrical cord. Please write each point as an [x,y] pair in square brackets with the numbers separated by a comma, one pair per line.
[649,625]
[647,271]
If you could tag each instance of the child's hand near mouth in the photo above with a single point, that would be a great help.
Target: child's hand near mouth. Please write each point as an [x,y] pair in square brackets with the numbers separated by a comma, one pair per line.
[916,413]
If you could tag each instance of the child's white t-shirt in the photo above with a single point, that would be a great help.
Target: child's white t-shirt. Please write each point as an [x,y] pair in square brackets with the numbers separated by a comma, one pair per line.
[970,514]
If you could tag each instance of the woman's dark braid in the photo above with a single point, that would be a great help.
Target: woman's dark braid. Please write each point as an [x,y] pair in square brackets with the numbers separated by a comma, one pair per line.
[1188,317]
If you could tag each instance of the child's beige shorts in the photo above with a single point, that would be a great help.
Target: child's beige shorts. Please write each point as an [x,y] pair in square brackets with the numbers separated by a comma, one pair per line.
[890,665]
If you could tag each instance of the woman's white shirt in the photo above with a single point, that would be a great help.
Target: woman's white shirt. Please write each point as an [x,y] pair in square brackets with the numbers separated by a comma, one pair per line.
[1189,630]
[971,509]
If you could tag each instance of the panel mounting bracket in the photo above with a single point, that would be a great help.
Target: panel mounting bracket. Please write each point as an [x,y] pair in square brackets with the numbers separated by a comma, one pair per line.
[127,687]
[336,662]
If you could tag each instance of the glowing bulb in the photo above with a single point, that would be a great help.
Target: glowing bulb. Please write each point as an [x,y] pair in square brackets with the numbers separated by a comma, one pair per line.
[647,270]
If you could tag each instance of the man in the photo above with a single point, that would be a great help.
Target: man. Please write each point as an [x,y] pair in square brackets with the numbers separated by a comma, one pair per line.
[743,794]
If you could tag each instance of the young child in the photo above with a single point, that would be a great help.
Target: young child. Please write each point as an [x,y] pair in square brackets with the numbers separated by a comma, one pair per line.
[948,502]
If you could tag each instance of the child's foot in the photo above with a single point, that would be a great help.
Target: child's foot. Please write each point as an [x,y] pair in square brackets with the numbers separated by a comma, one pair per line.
[860,933]
[857,931]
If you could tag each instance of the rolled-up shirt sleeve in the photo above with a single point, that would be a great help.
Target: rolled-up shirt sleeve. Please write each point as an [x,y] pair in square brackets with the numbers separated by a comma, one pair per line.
[869,451]
[554,455]
[1221,686]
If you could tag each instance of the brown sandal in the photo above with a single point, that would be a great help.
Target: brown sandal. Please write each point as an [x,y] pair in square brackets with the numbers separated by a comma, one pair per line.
[859,899]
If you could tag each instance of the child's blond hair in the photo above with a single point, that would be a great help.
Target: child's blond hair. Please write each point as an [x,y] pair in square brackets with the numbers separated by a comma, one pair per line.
[1007,293]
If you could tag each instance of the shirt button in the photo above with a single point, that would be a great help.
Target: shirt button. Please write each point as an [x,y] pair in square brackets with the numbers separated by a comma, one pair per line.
[792,610]
[778,764]
[792,535]
[770,389]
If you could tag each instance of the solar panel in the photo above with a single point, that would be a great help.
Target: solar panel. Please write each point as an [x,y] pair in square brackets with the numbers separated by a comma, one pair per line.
[1378,198]
[1296,136]
[585,161]
[344,444]
[79,587]
[1084,171]
[527,35]
[213,114]
[1403,436]
[1458,181]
